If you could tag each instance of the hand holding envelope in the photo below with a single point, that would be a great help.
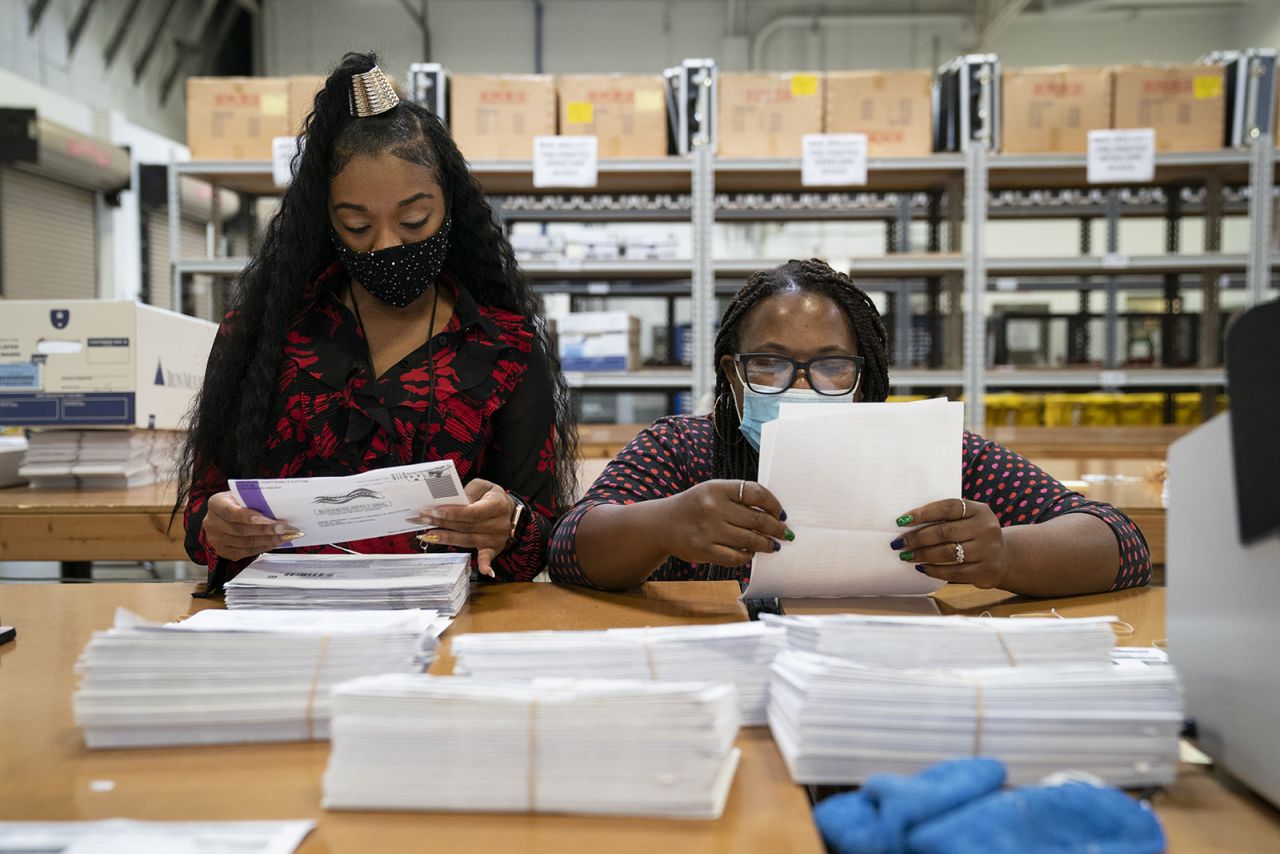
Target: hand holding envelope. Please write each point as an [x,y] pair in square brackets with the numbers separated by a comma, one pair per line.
[327,510]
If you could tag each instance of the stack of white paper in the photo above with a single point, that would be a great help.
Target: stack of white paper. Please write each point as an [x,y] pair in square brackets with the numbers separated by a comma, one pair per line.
[838,722]
[12,450]
[99,459]
[888,641]
[613,747]
[844,474]
[386,581]
[739,653]
[237,676]
[126,836]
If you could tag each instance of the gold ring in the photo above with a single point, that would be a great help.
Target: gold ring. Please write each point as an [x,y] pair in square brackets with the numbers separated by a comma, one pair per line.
[964,509]
[742,485]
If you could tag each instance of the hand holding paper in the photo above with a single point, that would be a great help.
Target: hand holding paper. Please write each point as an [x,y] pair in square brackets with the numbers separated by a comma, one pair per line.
[375,503]
[844,473]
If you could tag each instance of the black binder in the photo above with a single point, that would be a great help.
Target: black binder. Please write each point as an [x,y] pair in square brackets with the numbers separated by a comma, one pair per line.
[1253,375]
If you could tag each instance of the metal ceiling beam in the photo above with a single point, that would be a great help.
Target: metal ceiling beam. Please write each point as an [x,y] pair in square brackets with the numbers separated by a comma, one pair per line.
[122,29]
[186,49]
[220,35]
[78,24]
[153,40]
[35,11]
[991,24]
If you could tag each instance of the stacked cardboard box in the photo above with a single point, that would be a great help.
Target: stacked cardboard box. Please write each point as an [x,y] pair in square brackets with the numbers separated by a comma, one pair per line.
[496,116]
[626,113]
[890,107]
[1052,110]
[767,115]
[1184,103]
[236,118]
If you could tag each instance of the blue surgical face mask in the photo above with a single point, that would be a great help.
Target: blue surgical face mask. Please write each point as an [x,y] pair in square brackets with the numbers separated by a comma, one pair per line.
[759,409]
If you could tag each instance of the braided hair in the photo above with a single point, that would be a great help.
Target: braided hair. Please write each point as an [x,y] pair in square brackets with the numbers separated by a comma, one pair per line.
[733,458]
[230,418]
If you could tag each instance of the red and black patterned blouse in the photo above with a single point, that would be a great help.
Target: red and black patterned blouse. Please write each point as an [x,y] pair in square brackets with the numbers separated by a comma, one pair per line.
[492,415]
[675,454]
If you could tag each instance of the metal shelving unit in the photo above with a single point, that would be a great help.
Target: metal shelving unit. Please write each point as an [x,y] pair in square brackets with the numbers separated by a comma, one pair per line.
[958,189]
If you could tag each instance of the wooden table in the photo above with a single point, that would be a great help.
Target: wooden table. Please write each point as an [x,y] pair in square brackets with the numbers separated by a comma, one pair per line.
[88,524]
[46,773]
[1039,443]
[1205,810]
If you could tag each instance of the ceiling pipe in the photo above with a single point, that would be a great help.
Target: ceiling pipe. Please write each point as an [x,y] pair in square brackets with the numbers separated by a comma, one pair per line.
[808,22]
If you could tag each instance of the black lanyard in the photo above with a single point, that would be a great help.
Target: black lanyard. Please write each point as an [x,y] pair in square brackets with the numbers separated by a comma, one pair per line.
[419,449]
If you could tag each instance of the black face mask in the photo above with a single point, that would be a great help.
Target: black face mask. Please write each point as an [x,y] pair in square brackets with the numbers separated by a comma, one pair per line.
[397,275]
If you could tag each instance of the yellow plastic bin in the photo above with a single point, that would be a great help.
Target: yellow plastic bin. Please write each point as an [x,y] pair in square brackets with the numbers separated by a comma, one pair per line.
[1009,409]
[905,398]
[1186,407]
[1140,410]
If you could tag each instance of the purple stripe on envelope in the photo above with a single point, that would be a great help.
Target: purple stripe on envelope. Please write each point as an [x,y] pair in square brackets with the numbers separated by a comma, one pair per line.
[251,495]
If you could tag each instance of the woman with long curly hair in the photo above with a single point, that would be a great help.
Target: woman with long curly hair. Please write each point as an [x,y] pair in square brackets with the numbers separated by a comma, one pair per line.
[682,501]
[383,322]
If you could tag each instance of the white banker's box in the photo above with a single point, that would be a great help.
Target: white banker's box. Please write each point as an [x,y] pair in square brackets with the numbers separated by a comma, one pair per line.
[97,363]
[598,341]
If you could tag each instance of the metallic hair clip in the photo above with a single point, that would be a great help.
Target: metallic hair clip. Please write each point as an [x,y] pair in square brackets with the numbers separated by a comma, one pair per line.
[371,94]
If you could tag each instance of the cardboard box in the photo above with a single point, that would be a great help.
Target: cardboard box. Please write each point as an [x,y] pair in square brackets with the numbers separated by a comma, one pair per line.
[99,363]
[767,115]
[892,108]
[302,96]
[496,116]
[627,113]
[1186,104]
[1052,110]
[235,118]
[598,341]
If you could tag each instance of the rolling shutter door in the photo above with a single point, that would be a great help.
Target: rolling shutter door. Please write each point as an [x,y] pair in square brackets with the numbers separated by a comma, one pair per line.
[159,273]
[48,238]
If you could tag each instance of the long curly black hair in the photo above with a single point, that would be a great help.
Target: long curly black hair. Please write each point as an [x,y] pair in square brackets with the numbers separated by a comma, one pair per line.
[228,421]
[733,458]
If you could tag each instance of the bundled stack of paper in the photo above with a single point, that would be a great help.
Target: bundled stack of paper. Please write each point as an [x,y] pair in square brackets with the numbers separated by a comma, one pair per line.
[385,581]
[734,652]
[12,451]
[838,722]
[886,641]
[613,747]
[237,676]
[99,459]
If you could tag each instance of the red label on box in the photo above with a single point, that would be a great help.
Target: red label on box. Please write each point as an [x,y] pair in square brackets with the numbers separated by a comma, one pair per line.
[503,97]
[1059,90]
[236,99]
[1166,87]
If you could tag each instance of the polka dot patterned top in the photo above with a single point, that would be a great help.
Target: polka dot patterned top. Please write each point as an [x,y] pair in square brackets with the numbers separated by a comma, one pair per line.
[675,454]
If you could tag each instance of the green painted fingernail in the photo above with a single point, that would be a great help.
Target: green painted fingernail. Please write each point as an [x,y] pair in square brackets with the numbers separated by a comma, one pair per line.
[789,535]
[904,520]
[906,556]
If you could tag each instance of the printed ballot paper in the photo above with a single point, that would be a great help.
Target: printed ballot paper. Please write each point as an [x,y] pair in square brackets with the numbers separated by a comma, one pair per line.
[375,503]
[844,474]
[125,836]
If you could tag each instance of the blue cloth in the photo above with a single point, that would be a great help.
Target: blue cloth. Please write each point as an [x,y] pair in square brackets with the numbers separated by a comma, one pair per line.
[958,807]
[876,818]
[1075,818]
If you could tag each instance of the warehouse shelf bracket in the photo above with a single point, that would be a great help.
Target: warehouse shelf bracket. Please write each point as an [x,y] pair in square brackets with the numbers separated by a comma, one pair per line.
[1261,178]
[704,278]
[975,284]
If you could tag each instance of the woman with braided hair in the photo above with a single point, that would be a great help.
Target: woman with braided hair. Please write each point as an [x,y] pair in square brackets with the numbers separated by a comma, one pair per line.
[681,501]
[382,322]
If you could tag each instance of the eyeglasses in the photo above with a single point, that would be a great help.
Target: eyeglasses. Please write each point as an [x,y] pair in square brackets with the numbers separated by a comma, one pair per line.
[769,373]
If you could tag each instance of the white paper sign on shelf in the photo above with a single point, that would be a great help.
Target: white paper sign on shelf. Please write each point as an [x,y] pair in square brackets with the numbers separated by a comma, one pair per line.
[598,289]
[834,160]
[1112,379]
[282,150]
[565,161]
[1006,283]
[1120,156]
